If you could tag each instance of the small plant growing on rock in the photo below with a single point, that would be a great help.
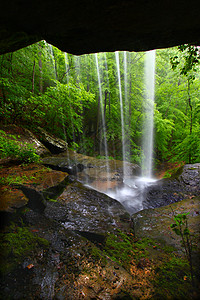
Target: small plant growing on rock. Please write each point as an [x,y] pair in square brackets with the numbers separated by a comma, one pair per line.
[180,227]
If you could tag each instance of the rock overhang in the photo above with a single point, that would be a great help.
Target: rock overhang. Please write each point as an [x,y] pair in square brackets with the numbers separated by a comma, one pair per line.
[81,27]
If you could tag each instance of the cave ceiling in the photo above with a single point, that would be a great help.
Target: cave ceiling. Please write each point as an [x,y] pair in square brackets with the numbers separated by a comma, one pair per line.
[81,27]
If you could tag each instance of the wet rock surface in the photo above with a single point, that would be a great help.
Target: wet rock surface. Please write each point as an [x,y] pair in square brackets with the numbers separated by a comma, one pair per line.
[84,244]
[156,222]
[184,184]
[77,261]
[24,182]
[57,270]
[99,173]
[90,210]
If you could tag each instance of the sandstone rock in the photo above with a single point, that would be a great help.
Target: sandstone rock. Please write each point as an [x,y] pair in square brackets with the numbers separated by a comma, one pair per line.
[24,183]
[88,210]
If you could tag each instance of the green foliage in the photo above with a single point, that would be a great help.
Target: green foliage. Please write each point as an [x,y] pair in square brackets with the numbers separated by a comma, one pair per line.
[10,147]
[164,128]
[191,59]
[180,227]
[42,86]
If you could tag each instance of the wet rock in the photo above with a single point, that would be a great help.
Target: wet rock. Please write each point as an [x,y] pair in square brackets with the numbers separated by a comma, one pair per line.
[184,184]
[36,200]
[88,210]
[100,173]
[155,223]
[33,177]
[63,164]
[54,144]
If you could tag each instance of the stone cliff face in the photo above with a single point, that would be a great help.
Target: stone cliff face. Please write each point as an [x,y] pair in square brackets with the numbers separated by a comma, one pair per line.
[80,27]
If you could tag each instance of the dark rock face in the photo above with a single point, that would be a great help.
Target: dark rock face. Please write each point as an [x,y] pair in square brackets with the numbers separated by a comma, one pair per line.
[88,210]
[80,27]
[54,144]
[168,191]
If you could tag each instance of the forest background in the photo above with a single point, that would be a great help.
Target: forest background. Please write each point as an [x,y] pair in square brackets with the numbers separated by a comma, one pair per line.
[41,86]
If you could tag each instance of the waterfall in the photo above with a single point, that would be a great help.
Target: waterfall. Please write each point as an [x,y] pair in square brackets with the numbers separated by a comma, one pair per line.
[102,115]
[126,111]
[121,111]
[149,113]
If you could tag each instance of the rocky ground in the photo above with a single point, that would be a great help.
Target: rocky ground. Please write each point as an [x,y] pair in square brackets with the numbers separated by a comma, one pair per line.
[63,240]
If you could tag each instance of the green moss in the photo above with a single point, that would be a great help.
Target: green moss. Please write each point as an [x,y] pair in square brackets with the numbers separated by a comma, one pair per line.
[173,279]
[16,242]
[96,253]
[123,248]
[51,200]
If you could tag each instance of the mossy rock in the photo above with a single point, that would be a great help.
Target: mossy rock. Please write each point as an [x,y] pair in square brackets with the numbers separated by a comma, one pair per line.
[16,243]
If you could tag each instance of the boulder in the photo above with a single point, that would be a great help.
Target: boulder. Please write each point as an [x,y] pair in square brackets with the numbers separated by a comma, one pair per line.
[54,144]
[87,210]
[29,185]
[155,223]
[185,183]
[101,174]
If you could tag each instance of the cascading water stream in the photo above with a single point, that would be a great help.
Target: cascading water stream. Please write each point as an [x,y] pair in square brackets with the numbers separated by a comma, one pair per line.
[121,111]
[132,192]
[126,111]
[132,195]
[102,116]
[149,114]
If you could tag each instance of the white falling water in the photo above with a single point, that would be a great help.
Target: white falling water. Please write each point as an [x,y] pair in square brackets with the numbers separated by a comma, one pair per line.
[121,110]
[126,111]
[102,114]
[149,113]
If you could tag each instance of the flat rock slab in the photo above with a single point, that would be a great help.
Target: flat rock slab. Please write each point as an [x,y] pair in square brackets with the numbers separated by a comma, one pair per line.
[33,176]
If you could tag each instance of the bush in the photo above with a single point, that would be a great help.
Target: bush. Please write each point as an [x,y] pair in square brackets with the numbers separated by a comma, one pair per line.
[9,147]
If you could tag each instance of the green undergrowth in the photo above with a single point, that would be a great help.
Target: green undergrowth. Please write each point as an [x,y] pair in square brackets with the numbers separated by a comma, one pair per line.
[17,241]
[13,179]
[174,172]
[10,147]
